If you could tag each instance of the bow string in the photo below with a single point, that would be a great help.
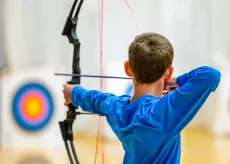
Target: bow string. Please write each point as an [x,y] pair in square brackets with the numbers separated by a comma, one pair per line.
[101,120]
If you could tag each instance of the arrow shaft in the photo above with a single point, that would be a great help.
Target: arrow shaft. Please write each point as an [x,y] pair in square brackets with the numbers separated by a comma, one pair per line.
[92,76]
[106,77]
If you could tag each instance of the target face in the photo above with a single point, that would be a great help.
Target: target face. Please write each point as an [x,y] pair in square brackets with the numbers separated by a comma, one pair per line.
[33,107]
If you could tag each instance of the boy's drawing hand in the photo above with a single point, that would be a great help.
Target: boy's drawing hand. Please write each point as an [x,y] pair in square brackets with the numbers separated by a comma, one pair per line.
[67,90]
[170,85]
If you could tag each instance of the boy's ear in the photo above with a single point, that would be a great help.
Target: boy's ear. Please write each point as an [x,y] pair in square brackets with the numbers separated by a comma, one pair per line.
[128,69]
[169,73]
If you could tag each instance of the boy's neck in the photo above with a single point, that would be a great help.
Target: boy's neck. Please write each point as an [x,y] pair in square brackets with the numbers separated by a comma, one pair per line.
[155,89]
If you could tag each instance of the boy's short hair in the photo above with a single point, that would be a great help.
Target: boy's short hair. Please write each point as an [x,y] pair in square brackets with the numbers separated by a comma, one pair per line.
[150,54]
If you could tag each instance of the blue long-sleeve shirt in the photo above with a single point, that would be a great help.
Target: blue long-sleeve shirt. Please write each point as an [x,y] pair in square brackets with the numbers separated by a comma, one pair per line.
[149,128]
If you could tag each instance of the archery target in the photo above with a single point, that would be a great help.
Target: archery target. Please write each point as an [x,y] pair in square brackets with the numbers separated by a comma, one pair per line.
[32,106]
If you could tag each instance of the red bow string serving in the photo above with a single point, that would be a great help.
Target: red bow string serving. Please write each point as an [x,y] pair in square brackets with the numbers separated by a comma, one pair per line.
[101,119]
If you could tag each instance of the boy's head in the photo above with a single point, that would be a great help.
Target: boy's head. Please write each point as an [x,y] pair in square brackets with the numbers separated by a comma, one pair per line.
[150,58]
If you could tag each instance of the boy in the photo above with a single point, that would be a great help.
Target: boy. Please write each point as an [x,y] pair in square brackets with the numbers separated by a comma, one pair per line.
[149,123]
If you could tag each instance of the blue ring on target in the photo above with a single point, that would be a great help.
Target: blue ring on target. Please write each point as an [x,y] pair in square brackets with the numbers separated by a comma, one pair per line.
[32,107]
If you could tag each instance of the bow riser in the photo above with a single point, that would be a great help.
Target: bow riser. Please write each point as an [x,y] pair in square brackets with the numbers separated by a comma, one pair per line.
[66,126]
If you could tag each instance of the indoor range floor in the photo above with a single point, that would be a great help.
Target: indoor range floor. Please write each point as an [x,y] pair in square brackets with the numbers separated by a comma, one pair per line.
[198,147]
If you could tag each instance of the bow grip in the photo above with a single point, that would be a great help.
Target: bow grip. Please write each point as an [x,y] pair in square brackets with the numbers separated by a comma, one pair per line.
[66,126]
[76,70]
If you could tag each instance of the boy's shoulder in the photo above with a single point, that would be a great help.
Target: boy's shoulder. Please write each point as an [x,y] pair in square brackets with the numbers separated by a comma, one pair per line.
[147,99]
[123,98]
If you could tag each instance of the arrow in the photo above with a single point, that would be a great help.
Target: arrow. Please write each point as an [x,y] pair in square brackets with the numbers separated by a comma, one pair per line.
[92,76]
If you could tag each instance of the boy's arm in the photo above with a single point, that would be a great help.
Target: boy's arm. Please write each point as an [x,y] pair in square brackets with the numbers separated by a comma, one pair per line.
[177,109]
[92,101]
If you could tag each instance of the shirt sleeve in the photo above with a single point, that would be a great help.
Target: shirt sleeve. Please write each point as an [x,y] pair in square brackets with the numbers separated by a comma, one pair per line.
[92,101]
[175,110]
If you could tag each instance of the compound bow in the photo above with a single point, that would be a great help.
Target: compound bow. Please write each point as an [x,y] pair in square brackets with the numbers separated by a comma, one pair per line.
[66,126]
[69,31]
